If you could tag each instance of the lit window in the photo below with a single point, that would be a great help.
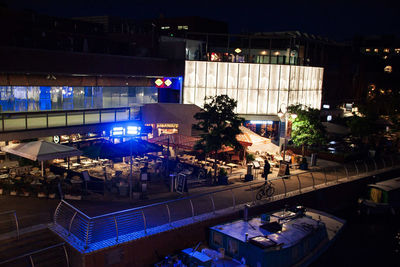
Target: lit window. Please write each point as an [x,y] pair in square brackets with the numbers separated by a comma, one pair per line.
[376,50]
[386,50]
[388,69]
[164,27]
[367,50]
[184,27]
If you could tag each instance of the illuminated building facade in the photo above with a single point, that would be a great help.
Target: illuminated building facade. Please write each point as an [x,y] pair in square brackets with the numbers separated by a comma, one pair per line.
[260,89]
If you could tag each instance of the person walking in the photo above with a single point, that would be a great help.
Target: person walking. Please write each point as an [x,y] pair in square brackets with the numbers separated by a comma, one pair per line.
[267,168]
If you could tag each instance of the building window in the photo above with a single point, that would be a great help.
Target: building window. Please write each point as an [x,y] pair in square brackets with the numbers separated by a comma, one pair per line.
[233,246]
[217,239]
[164,27]
[388,69]
[183,27]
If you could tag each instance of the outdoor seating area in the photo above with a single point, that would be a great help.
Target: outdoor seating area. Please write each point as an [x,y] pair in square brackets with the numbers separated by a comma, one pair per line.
[103,167]
[28,181]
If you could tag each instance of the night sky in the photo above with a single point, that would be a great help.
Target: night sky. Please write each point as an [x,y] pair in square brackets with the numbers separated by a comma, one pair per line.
[338,20]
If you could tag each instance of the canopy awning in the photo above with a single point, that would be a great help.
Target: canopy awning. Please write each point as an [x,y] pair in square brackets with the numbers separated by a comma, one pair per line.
[258,143]
[41,150]
[176,141]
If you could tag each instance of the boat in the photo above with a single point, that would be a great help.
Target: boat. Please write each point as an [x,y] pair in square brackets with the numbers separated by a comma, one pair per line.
[289,237]
[382,197]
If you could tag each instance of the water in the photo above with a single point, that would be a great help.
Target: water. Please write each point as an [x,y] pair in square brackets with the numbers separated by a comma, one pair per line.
[365,241]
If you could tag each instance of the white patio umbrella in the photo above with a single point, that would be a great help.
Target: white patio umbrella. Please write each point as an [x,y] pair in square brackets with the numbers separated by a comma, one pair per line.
[41,151]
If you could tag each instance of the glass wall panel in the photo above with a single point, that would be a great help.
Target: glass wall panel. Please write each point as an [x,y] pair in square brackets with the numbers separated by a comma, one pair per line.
[242,103]
[211,75]
[201,74]
[243,76]
[273,102]
[233,75]
[274,77]
[284,77]
[283,98]
[190,74]
[222,77]
[292,97]
[252,101]
[262,102]
[254,76]
[264,76]
[189,96]
[232,93]
[200,95]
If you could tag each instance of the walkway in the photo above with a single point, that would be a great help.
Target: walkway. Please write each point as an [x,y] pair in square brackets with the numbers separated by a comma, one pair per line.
[85,227]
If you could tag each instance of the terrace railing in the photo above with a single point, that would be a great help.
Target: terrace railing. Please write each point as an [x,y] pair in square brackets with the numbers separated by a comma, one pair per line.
[56,255]
[87,233]
[16,121]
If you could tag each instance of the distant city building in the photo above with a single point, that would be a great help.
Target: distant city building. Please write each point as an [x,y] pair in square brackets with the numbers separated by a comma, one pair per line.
[377,61]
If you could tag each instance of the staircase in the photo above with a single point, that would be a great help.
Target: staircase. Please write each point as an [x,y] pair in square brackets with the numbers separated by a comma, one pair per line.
[38,248]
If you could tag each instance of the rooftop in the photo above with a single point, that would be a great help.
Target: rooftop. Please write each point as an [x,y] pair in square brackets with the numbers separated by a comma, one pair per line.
[293,229]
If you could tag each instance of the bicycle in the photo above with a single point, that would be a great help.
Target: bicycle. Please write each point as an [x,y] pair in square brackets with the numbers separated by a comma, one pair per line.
[266,190]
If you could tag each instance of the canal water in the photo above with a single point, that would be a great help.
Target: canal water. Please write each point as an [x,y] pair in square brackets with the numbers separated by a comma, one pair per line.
[365,241]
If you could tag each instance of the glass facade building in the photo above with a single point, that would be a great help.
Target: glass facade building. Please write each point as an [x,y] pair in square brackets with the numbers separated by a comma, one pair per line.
[36,98]
[260,89]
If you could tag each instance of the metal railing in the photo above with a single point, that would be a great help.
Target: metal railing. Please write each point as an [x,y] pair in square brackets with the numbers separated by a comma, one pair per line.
[91,233]
[31,256]
[11,217]
[16,121]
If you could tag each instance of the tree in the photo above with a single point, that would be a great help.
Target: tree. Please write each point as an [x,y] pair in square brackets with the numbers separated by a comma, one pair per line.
[307,128]
[219,125]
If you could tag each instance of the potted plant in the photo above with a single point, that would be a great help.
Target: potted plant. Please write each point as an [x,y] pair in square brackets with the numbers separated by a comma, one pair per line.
[222,177]
[4,186]
[42,191]
[250,158]
[52,189]
[26,189]
[13,188]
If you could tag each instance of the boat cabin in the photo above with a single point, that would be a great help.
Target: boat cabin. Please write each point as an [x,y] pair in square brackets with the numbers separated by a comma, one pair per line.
[386,192]
[280,239]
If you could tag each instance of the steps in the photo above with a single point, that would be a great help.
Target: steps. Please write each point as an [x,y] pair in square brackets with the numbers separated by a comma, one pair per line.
[33,242]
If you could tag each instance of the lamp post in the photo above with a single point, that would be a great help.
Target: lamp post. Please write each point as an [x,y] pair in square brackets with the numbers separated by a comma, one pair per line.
[284,114]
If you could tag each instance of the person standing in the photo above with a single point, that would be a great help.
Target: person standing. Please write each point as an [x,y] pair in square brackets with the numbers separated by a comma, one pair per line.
[267,168]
